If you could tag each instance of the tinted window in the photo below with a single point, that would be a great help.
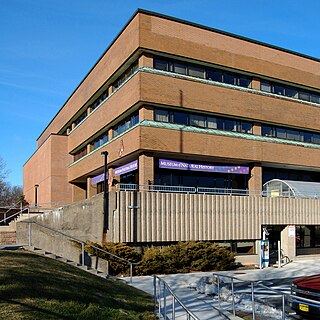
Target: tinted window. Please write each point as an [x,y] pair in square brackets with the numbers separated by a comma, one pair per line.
[277,89]
[161,64]
[196,72]
[290,92]
[197,120]
[220,125]
[293,135]
[212,122]
[245,127]
[316,138]
[281,133]
[304,96]
[180,68]
[214,75]
[244,82]
[315,98]
[180,118]
[265,86]
[307,137]
[161,115]
[230,125]
[229,78]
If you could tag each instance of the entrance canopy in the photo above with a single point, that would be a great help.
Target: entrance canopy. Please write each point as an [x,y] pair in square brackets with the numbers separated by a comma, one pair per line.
[291,189]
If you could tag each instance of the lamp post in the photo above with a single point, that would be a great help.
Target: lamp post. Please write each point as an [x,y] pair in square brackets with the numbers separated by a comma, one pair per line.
[105,193]
[36,186]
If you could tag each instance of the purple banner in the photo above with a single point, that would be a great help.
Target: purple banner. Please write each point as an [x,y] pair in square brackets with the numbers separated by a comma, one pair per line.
[126,168]
[178,165]
[98,178]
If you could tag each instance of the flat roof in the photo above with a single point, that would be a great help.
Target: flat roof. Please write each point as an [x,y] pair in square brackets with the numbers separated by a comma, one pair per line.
[156,14]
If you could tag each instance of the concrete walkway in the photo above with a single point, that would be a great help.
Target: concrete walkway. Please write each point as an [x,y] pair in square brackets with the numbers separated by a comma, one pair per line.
[202,305]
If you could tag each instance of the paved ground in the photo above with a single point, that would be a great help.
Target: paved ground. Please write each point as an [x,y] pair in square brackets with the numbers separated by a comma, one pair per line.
[202,306]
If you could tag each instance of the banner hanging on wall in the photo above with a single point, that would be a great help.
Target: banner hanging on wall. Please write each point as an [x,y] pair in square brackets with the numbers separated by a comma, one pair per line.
[178,165]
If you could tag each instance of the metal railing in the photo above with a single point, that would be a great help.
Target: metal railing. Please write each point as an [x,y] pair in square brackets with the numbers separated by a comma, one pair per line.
[183,189]
[83,244]
[13,215]
[285,297]
[166,303]
[213,191]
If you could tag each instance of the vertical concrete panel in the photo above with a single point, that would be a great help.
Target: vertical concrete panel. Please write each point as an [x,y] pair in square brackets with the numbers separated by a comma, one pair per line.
[191,218]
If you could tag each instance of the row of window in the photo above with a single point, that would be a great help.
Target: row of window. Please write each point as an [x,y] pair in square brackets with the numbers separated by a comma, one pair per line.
[290,134]
[201,72]
[202,121]
[289,91]
[81,153]
[102,139]
[125,75]
[126,124]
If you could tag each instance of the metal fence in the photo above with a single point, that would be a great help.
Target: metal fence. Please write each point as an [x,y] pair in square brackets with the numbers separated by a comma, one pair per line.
[258,292]
[213,191]
[166,304]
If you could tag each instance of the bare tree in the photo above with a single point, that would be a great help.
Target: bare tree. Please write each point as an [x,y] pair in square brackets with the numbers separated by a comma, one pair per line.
[9,196]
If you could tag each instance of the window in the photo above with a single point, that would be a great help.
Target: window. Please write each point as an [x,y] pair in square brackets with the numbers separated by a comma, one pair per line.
[214,75]
[293,135]
[304,96]
[316,138]
[197,120]
[180,68]
[100,140]
[230,125]
[180,118]
[315,98]
[161,64]
[212,122]
[79,154]
[292,93]
[278,89]
[81,117]
[307,137]
[196,72]
[245,127]
[244,82]
[281,133]
[229,78]
[125,75]
[161,115]
[265,86]
[125,125]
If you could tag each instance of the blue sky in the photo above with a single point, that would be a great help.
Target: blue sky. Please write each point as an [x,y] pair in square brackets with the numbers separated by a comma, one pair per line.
[48,46]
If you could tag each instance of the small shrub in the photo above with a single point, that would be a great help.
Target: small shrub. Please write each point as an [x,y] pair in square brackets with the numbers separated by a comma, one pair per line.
[116,266]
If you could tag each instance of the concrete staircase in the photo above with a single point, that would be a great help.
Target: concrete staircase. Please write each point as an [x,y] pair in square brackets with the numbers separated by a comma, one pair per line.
[8,232]
[91,270]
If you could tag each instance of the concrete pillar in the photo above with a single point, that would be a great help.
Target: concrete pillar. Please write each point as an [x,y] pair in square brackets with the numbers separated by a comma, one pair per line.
[288,241]
[256,129]
[110,134]
[91,188]
[146,60]
[110,90]
[89,110]
[255,180]
[79,192]
[146,169]
[255,84]
[146,113]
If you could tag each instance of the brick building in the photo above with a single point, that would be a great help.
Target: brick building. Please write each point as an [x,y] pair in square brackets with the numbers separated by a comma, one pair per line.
[179,104]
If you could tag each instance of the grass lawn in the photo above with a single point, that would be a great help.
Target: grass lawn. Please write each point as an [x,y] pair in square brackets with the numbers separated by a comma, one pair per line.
[35,287]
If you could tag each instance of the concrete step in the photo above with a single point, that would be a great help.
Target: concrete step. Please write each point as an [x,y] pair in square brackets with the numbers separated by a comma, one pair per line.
[73,263]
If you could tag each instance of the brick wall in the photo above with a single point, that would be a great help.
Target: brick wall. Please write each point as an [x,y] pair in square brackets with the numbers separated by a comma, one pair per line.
[8,237]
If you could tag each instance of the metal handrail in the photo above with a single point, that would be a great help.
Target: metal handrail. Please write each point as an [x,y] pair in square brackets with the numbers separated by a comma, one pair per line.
[157,300]
[83,244]
[14,215]
[207,190]
[257,284]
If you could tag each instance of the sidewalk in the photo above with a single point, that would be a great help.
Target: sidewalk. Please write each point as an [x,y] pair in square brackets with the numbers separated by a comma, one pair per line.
[201,305]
